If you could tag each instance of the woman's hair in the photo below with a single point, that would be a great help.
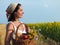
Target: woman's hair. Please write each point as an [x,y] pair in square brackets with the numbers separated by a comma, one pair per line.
[12,16]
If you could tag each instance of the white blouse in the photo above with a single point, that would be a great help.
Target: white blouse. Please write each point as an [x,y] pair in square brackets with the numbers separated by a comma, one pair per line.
[19,31]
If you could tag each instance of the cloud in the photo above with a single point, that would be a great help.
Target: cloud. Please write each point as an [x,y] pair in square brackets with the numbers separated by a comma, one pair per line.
[44,3]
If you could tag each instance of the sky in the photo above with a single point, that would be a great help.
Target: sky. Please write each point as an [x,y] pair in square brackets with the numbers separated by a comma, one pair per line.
[35,11]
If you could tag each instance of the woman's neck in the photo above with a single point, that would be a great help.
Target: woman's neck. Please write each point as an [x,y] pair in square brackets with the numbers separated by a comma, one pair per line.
[16,20]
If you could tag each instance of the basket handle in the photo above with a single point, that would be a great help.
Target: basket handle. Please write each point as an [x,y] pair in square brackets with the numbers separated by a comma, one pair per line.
[26,27]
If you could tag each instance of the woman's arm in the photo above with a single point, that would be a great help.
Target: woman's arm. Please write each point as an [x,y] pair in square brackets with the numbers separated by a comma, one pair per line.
[9,30]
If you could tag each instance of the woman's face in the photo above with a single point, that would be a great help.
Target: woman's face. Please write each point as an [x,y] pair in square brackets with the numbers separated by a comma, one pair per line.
[19,12]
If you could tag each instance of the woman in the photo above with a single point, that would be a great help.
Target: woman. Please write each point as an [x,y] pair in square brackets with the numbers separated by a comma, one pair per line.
[13,13]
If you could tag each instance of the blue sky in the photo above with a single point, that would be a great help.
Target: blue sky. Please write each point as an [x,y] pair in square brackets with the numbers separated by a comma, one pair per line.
[34,10]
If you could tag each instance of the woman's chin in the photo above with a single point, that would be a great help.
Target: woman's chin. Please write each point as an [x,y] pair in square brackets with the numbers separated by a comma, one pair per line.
[20,17]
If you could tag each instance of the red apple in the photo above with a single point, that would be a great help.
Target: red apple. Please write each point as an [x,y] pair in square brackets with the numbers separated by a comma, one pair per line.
[25,36]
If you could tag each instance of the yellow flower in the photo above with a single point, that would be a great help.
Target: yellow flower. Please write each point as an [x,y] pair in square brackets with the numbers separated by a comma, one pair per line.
[32,34]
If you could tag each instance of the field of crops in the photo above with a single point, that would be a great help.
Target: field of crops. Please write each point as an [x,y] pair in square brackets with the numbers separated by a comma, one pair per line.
[48,33]
[51,30]
[2,33]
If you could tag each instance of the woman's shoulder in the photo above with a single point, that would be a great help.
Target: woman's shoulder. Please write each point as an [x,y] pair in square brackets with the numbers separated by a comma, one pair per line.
[21,21]
[9,26]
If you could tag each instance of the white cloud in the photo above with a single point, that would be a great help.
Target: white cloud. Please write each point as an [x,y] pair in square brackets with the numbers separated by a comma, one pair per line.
[44,3]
